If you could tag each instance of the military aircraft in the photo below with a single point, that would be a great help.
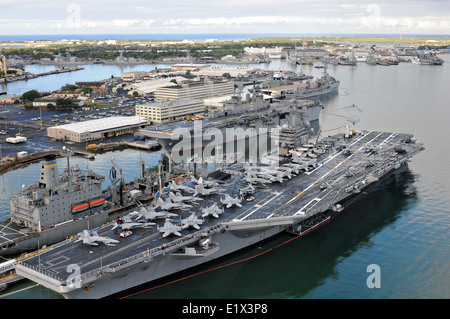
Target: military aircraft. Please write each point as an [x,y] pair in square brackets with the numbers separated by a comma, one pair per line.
[301,160]
[349,173]
[169,228]
[249,189]
[347,151]
[192,220]
[230,201]
[150,213]
[283,173]
[251,177]
[369,163]
[324,185]
[212,210]
[126,223]
[306,162]
[199,189]
[178,198]
[287,170]
[203,182]
[294,167]
[276,177]
[179,187]
[169,205]
[273,174]
[370,149]
[93,237]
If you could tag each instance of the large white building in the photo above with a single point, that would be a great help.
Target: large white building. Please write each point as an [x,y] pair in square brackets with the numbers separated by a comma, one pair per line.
[96,129]
[148,87]
[169,110]
[263,50]
[195,90]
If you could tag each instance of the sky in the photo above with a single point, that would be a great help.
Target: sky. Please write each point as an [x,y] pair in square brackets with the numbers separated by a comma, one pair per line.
[225,16]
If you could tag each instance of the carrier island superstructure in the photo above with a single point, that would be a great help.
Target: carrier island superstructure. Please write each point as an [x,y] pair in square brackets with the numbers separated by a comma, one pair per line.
[194,221]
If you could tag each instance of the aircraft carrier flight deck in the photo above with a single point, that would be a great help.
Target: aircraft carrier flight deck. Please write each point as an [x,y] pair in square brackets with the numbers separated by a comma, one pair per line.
[312,190]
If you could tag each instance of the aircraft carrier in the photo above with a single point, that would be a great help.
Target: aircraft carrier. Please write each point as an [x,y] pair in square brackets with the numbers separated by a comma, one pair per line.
[197,220]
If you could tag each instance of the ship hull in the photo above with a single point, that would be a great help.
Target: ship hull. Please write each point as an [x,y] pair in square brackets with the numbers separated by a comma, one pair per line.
[296,205]
[165,265]
[319,92]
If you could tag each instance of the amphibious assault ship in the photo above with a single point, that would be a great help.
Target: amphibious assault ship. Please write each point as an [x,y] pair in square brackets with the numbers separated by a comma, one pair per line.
[59,206]
[194,221]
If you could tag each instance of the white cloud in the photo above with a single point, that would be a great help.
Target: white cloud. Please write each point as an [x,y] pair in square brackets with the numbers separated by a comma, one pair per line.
[250,16]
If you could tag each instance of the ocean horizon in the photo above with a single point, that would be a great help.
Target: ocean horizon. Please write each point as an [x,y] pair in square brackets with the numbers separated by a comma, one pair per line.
[190,36]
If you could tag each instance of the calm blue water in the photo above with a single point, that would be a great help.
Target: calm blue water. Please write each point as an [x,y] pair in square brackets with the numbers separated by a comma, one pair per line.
[402,224]
[93,72]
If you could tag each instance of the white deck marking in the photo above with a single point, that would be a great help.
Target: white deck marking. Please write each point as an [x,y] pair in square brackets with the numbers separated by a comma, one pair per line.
[320,178]
[258,206]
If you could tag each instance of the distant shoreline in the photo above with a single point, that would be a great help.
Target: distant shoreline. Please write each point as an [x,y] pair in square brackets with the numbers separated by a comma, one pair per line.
[353,38]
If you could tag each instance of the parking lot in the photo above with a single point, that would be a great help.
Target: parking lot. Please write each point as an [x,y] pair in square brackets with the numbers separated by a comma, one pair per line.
[32,123]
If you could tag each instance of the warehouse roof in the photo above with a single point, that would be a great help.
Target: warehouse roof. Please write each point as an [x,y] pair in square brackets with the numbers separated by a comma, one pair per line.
[102,124]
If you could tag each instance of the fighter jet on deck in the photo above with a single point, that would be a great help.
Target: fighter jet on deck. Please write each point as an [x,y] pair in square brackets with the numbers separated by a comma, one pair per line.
[199,189]
[149,213]
[169,205]
[229,201]
[178,198]
[180,187]
[93,237]
[212,210]
[192,220]
[125,222]
[169,228]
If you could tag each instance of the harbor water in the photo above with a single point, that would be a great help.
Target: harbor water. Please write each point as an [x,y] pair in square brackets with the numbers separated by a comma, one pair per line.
[401,225]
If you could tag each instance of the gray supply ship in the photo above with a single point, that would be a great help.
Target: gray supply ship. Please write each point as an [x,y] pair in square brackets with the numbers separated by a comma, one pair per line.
[59,206]
[196,221]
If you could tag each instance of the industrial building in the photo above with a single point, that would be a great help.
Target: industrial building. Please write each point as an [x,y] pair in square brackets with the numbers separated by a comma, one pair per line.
[134,75]
[97,129]
[195,90]
[170,110]
[189,66]
[148,87]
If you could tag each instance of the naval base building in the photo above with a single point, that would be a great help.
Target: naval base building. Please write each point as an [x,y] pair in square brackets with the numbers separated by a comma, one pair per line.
[195,90]
[96,129]
[170,110]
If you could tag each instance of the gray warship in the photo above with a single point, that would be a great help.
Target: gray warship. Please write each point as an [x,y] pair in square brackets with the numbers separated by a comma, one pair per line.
[427,58]
[324,85]
[60,205]
[255,102]
[193,221]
